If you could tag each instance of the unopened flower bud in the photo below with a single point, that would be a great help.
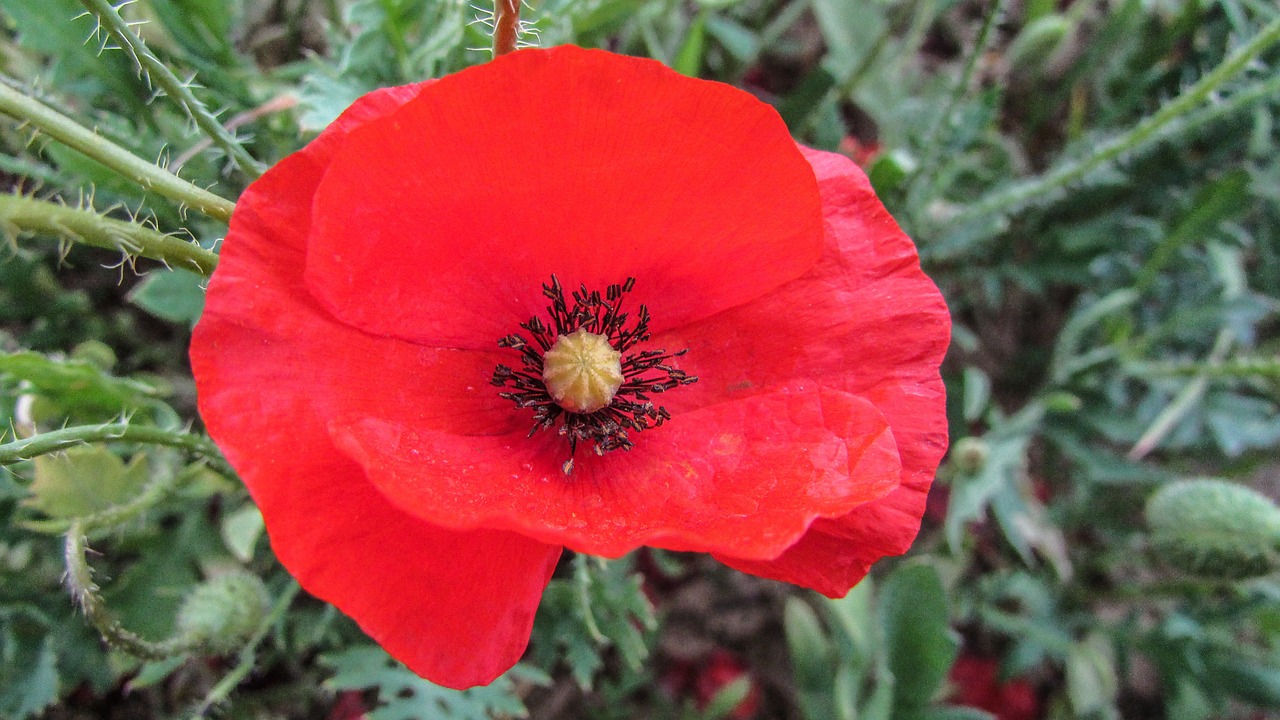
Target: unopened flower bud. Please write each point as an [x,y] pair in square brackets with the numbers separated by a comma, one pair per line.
[223,612]
[970,454]
[1214,528]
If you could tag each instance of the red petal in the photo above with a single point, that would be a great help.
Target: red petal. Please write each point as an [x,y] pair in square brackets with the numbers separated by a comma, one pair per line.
[865,320]
[456,607]
[744,477]
[440,222]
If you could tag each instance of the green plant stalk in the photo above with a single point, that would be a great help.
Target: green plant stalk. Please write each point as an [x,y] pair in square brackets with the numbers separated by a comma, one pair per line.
[934,137]
[1236,368]
[110,20]
[1018,195]
[28,215]
[56,440]
[149,176]
[85,592]
[1184,402]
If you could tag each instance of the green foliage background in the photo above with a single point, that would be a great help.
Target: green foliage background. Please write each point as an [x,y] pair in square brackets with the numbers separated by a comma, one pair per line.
[1095,186]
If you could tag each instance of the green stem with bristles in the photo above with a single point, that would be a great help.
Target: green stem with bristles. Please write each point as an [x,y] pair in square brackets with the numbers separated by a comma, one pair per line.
[111,21]
[149,176]
[28,215]
[943,122]
[56,440]
[1024,193]
[86,594]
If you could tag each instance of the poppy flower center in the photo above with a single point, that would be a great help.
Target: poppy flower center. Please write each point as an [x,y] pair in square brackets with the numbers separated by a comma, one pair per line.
[580,369]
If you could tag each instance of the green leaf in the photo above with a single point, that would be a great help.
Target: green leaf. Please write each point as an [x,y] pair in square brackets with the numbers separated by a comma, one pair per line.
[241,530]
[580,618]
[155,671]
[1092,683]
[1007,444]
[84,480]
[689,60]
[727,699]
[812,655]
[1255,682]
[854,617]
[952,712]
[405,696]
[78,384]
[28,676]
[170,295]
[977,393]
[740,41]
[919,642]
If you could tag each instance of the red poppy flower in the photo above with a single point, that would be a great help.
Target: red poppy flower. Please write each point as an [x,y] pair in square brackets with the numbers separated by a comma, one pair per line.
[369,355]
[976,683]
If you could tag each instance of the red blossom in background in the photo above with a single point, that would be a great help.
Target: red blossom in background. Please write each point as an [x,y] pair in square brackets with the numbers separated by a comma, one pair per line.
[976,683]
[350,334]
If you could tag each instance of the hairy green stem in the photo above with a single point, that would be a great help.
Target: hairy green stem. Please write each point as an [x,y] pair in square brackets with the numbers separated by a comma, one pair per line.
[28,215]
[1184,402]
[1240,368]
[85,592]
[944,120]
[111,21]
[1024,193]
[56,440]
[149,176]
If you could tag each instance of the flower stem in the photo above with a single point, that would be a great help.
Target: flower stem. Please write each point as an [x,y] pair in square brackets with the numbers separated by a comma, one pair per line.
[110,20]
[506,26]
[28,215]
[1017,196]
[1185,401]
[150,177]
[943,121]
[55,440]
[85,592]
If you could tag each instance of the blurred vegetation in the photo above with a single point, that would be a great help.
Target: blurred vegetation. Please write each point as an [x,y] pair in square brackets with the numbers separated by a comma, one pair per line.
[1095,185]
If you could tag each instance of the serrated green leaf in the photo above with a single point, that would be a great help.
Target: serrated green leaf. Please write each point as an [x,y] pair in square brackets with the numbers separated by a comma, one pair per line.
[603,605]
[405,696]
[28,675]
[84,480]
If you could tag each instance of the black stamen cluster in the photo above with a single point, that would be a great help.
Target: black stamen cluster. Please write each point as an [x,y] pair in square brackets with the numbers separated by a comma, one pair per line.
[644,372]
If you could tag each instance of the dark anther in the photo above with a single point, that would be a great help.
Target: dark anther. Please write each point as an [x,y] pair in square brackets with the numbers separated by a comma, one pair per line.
[643,371]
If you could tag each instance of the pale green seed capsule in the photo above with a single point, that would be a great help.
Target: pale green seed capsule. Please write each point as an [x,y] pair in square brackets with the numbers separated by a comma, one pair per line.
[223,612]
[1215,528]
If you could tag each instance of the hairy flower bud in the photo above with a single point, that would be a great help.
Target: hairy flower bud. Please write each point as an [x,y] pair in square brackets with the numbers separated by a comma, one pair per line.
[223,612]
[1215,528]
[970,454]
